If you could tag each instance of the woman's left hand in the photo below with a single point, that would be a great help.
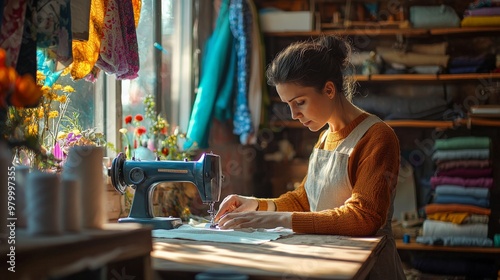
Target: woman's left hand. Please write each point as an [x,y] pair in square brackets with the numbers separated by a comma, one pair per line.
[256,219]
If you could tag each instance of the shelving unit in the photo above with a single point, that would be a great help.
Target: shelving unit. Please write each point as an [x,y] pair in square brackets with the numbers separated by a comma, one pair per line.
[456,88]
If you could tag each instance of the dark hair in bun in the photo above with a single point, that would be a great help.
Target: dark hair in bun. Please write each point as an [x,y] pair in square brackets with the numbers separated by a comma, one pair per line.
[312,63]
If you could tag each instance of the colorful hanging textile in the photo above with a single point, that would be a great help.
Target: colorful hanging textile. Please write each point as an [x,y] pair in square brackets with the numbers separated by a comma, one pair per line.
[86,53]
[137,11]
[112,56]
[12,27]
[240,19]
[128,23]
[26,60]
[54,30]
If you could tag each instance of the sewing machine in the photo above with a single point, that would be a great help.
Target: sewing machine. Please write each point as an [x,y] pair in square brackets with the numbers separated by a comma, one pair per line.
[145,175]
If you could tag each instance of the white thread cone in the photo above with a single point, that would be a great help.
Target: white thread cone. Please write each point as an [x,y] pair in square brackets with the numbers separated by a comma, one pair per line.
[85,162]
[71,203]
[43,194]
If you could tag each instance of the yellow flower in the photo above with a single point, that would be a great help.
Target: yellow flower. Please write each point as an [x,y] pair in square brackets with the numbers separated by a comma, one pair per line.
[61,135]
[68,89]
[62,98]
[40,77]
[40,112]
[76,131]
[57,87]
[32,129]
[123,131]
[46,90]
[53,114]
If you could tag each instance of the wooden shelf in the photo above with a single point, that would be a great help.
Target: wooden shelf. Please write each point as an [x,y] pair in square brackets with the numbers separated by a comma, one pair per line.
[413,246]
[421,123]
[426,77]
[473,121]
[463,30]
[374,30]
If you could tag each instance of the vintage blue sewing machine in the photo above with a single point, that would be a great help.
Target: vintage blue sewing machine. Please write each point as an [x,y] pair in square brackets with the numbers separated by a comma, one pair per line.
[145,175]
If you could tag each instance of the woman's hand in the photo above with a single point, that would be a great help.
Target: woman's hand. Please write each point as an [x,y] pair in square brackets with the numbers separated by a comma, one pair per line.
[236,203]
[256,219]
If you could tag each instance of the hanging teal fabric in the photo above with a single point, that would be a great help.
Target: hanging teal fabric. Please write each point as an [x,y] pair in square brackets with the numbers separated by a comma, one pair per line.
[213,74]
[47,67]
[224,106]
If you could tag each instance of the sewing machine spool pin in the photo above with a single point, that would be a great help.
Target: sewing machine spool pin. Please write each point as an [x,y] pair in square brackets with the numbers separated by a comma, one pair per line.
[145,175]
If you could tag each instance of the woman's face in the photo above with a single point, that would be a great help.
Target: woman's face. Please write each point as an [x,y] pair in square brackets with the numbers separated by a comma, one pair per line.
[312,108]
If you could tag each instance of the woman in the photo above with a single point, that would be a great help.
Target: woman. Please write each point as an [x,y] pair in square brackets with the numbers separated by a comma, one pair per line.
[352,175]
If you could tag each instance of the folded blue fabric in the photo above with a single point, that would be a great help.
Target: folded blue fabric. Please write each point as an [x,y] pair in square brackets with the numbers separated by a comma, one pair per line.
[455,241]
[433,16]
[462,199]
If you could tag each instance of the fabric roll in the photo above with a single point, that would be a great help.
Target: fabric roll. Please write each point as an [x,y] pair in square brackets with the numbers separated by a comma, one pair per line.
[490,11]
[455,241]
[426,69]
[481,21]
[437,48]
[473,163]
[461,190]
[486,182]
[461,154]
[459,218]
[466,172]
[437,208]
[411,59]
[462,199]
[465,142]
[456,218]
[433,16]
[477,219]
[445,229]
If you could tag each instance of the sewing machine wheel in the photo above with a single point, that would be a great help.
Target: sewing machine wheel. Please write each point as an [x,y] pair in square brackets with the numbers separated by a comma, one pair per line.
[117,178]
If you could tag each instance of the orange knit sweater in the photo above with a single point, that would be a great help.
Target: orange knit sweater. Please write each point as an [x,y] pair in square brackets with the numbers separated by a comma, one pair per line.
[373,170]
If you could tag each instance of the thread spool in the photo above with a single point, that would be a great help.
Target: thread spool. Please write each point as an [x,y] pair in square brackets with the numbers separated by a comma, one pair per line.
[44,195]
[71,204]
[85,162]
[22,172]
[496,240]
[406,238]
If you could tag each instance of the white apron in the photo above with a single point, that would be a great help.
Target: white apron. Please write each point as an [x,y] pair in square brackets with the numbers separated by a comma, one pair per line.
[328,186]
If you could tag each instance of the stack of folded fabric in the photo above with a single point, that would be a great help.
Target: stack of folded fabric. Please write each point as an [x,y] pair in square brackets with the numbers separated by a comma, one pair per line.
[483,63]
[459,213]
[482,13]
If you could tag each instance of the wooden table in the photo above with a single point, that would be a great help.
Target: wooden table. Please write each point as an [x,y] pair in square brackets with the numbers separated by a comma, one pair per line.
[123,249]
[292,257]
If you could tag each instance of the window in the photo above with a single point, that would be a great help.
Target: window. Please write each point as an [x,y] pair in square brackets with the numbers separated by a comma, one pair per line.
[164,40]
[163,36]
